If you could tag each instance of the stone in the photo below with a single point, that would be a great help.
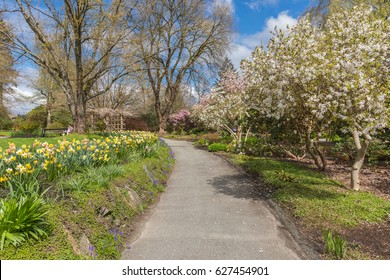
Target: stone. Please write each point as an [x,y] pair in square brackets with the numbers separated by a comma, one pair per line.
[117,222]
[132,198]
[104,211]
[150,175]
[86,247]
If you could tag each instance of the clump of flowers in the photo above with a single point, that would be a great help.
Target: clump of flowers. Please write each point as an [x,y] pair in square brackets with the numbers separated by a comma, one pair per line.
[20,165]
[181,121]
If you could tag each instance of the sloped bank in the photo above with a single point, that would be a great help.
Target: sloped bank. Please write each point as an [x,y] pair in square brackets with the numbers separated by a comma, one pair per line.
[94,219]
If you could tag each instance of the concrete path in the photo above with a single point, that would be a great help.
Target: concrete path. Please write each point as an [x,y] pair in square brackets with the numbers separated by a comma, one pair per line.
[210,211]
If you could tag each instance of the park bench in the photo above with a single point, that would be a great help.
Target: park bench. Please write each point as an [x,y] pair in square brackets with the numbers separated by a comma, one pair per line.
[63,131]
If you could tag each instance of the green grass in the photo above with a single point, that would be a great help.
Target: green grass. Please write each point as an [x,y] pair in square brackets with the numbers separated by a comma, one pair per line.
[5,133]
[318,200]
[4,142]
[74,205]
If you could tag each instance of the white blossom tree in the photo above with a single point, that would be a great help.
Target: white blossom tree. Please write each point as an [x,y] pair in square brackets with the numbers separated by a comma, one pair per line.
[358,68]
[226,108]
[315,77]
[289,85]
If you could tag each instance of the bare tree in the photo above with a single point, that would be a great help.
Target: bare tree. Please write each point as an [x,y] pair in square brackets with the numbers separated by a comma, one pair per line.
[7,71]
[172,38]
[48,91]
[122,95]
[79,43]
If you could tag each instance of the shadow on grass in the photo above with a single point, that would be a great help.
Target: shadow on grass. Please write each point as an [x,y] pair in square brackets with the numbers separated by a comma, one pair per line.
[293,180]
[314,197]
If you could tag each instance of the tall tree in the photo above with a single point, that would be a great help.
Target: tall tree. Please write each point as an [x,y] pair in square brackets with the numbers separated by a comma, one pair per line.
[7,71]
[79,43]
[174,38]
[48,91]
[226,66]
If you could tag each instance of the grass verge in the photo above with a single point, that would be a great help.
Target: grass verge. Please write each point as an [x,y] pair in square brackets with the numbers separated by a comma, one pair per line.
[95,204]
[319,202]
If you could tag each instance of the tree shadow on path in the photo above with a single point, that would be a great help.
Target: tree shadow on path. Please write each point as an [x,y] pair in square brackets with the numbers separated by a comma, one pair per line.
[238,186]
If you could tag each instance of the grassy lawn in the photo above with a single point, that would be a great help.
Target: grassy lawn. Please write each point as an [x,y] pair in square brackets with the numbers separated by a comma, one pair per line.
[51,140]
[317,200]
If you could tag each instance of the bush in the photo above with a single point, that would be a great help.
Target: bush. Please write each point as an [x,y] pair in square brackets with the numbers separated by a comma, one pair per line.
[202,142]
[180,121]
[23,134]
[151,119]
[5,120]
[62,117]
[56,125]
[33,121]
[261,146]
[218,147]
[22,218]
[378,152]
[133,123]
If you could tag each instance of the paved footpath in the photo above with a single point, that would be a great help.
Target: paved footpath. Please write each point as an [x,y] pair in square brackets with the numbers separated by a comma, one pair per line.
[210,211]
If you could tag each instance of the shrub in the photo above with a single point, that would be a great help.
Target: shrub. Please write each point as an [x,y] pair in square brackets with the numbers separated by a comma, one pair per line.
[180,121]
[261,146]
[134,123]
[62,117]
[22,218]
[218,147]
[32,122]
[56,125]
[202,142]
[21,134]
[5,120]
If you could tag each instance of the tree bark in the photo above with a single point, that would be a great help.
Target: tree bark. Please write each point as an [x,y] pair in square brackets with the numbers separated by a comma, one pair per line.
[361,149]
[80,113]
[163,120]
[314,152]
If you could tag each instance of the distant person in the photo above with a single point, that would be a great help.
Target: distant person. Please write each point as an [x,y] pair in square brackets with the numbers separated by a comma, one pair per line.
[69,130]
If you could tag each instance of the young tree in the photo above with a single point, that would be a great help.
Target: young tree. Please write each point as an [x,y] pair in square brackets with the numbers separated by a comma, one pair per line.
[289,85]
[78,44]
[227,108]
[174,38]
[358,55]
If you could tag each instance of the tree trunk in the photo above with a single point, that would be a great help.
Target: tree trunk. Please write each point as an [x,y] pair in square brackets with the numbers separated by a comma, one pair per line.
[48,116]
[314,152]
[80,114]
[361,149]
[162,126]
[239,139]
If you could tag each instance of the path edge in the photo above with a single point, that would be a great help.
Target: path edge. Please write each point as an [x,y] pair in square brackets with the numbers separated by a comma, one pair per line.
[305,248]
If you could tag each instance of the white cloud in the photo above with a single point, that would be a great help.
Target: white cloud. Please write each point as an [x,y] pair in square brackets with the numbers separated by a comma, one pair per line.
[20,101]
[246,43]
[261,38]
[239,53]
[256,4]
[228,3]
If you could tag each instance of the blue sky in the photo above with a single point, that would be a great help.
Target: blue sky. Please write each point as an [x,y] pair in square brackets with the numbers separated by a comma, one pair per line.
[254,19]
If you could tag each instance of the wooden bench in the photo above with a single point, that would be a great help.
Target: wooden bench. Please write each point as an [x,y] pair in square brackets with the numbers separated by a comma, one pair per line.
[62,130]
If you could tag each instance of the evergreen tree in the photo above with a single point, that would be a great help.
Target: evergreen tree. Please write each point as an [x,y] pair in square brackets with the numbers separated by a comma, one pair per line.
[225,67]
